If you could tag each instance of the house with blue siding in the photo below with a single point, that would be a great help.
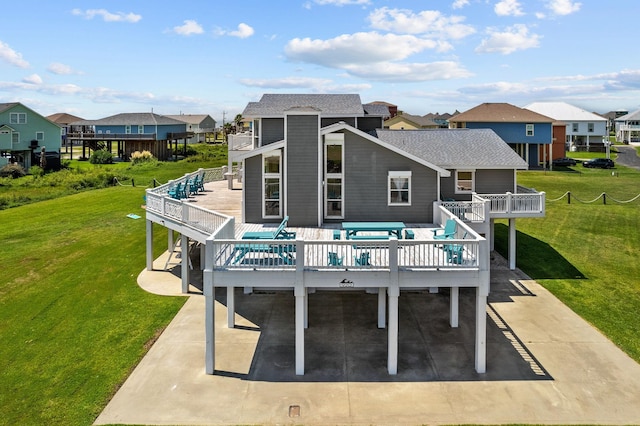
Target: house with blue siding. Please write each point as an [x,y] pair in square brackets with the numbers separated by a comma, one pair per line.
[132,132]
[25,134]
[325,159]
[529,133]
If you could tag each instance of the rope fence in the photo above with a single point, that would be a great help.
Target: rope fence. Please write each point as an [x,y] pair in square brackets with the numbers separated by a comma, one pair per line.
[604,197]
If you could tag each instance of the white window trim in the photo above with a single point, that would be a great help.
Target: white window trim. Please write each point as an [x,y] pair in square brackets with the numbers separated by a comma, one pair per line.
[529,127]
[40,136]
[276,153]
[127,129]
[334,139]
[473,182]
[398,174]
[14,117]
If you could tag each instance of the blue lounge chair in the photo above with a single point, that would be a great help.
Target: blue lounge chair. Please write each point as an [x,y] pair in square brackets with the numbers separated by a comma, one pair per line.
[449,230]
[334,259]
[279,234]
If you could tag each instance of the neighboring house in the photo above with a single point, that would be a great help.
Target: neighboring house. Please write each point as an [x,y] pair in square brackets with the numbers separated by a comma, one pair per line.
[24,134]
[64,120]
[628,127]
[392,109]
[527,132]
[132,132]
[202,126]
[441,119]
[404,121]
[584,130]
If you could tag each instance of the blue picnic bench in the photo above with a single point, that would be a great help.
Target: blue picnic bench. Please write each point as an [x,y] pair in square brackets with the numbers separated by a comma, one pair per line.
[391,228]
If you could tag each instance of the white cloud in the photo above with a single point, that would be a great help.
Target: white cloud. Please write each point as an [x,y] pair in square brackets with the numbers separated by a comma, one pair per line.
[107,16]
[357,49]
[243,31]
[508,8]
[511,40]
[12,57]
[563,7]
[188,27]
[32,79]
[459,4]
[286,83]
[61,69]
[410,72]
[427,22]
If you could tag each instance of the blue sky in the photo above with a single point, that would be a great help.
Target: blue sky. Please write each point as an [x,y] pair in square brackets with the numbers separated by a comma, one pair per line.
[98,58]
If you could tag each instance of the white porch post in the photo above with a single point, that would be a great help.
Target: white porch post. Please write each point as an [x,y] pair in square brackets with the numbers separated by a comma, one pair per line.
[492,233]
[512,243]
[149,245]
[382,307]
[184,263]
[209,308]
[170,244]
[300,293]
[394,293]
[482,292]
[231,307]
[454,306]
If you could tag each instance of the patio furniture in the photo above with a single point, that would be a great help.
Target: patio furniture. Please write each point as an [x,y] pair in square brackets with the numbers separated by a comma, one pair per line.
[364,259]
[280,233]
[391,228]
[179,191]
[283,251]
[409,235]
[449,230]
[454,252]
[334,259]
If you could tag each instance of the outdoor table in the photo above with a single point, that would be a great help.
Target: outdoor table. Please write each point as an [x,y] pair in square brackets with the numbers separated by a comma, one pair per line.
[391,228]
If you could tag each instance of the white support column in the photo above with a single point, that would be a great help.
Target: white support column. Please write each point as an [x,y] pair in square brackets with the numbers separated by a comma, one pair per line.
[231,307]
[481,329]
[492,245]
[382,307]
[306,308]
[300,294]
[394,293]
[170,243]
[184,263]
[149,245]
[209,308]
[512,243]
[454,306]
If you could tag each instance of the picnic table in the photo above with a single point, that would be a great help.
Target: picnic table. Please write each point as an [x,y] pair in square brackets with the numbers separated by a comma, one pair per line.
[391,229]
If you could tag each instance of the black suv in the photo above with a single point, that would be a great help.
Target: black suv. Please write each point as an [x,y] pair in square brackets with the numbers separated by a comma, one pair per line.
[602,163]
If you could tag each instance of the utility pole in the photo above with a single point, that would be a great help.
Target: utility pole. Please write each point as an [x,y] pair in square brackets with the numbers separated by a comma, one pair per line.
[224,132]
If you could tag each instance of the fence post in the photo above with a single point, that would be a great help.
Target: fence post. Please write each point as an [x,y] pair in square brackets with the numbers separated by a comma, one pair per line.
[604,198]
[568,197]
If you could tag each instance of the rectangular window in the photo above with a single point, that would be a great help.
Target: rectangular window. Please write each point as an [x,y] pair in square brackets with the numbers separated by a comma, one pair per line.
[590,127]
[40,136]
[15,138]
[18,118]
[127,129]
[271,191]
[399,188]
[140,130]
[334,174]
[575,127]
[529,129]
[465,181]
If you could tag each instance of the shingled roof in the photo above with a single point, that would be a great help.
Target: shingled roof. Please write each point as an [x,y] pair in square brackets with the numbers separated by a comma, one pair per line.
[275,105]
[132,118]
[455,148]
[499,113]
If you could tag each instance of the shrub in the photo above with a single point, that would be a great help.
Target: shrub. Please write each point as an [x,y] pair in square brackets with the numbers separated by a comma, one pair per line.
[142,157]
[101,157]
[13,171]
[36,171]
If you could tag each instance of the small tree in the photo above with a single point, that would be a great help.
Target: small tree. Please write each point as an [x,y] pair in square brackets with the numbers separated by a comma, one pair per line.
[101,157]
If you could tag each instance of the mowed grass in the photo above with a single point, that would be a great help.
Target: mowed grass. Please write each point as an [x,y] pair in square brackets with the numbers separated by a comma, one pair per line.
[586,253]
[73,321]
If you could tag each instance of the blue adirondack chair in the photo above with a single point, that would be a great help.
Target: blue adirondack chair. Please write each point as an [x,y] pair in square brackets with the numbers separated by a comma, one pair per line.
[363,259]
[449,230]
[178,191]
[454,252]
[334,259]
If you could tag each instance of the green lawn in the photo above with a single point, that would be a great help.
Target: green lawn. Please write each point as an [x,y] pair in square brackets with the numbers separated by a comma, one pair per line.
[74,323]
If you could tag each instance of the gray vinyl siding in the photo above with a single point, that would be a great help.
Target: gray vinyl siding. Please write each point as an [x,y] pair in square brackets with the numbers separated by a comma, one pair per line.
[366,184]
[272,130]
[494,181]
[327,121]
[367,124]
[252,187]
[302,170]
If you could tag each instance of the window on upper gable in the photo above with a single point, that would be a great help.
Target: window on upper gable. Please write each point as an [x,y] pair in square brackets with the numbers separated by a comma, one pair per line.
[590,127]
[529,129]
[399,188]
[465,181]
[575,127]
[18,118]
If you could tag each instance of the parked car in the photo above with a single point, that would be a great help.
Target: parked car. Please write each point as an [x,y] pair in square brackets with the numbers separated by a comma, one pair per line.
[602,163]
[565,161]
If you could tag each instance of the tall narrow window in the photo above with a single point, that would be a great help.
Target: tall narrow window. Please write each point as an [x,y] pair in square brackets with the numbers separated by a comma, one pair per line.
[529,129]
[574,127]
[333,174]
[140,130]
[399,188]
[127,129]
[590,127]
[465,181]
[272,193]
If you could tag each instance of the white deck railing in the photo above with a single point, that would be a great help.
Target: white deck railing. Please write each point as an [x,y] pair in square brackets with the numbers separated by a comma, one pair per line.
[514,205]
[240,141]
